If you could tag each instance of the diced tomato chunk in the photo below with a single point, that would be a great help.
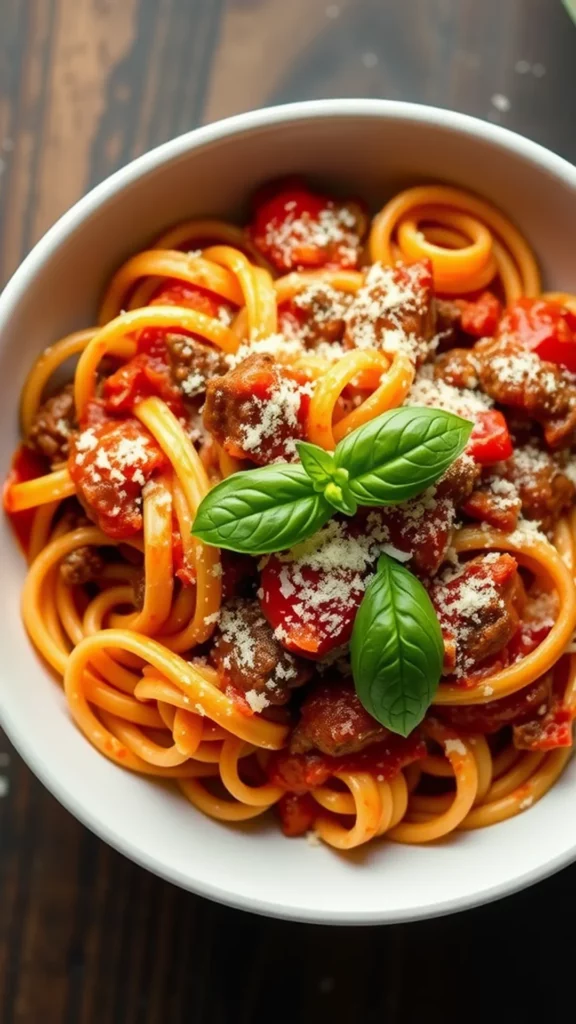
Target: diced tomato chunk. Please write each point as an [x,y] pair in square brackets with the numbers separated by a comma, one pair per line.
[296,228]
[525,640]
[543,327]
[312,634]
[141,377]
[490,439]
[190,296]
[297,813]
[480,316]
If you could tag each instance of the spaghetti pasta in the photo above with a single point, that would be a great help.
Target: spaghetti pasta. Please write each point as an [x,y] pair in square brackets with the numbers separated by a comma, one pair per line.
[216,350]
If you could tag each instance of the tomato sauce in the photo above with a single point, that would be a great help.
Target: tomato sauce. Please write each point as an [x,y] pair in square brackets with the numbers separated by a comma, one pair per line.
[26,465]
[297,813]
[299,773]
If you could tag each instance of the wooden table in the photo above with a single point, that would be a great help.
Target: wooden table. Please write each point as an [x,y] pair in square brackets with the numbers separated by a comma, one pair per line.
[85,85]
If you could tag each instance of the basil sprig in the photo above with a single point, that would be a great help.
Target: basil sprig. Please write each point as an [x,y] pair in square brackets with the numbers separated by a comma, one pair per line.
[387,461]
[396,648]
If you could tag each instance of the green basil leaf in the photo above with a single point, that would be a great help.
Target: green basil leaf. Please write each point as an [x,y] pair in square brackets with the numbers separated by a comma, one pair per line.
[318,463]
[399,454]
[341,498]
[261,510]
[396,648]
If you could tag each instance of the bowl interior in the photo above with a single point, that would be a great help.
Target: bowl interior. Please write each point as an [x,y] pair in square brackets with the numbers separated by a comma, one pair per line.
[366,148]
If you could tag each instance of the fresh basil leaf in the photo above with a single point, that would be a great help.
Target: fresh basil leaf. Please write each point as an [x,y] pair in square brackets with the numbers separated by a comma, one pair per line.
[261,510]
[318,463]
[397,455]
[396,648]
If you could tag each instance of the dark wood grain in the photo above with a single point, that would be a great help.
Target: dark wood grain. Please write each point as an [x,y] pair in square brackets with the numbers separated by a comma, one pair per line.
[85,85]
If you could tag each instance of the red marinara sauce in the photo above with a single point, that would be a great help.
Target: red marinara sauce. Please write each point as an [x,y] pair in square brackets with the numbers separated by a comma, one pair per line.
[299,773]
[26,465]
[148,373]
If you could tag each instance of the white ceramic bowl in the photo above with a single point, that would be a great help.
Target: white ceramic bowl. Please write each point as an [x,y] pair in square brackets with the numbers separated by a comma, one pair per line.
[371,147]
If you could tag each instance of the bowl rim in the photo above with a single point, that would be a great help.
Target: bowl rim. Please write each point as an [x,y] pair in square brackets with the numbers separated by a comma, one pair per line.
[44,250]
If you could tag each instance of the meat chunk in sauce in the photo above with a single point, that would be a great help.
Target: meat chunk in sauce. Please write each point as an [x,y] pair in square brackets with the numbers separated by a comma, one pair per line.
[53,424]
[549,727]
[82,565]
[333,721]
[495,501]
[545,491]
[495,714]
[518,378]
[477,611]
[458,367]
[394,309]
[421,528]
[248,656]
[193,363]
[256,411]
[458,481]
[314,315]
[110,463]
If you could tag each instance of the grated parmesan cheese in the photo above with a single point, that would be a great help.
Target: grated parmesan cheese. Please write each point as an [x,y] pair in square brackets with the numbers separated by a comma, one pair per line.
[466,604]
[193,384]
[276,412]
[257,701]
[437,394]
[343,562]
[278,345]
[233,630]
[527,532]
[454,747]
[520,369]
[377,315]
[335,225]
